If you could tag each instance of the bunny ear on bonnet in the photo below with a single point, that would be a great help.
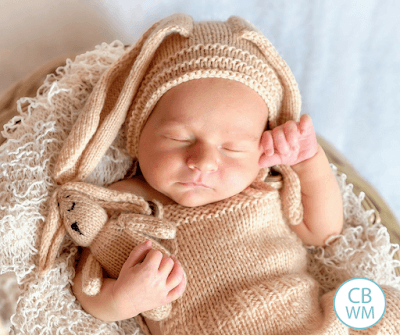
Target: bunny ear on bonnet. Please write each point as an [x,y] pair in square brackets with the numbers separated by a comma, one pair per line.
[107,107]
[291,101]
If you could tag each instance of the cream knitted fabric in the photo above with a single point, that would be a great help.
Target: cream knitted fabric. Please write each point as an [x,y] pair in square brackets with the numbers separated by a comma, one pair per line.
[46,305]
[275,287]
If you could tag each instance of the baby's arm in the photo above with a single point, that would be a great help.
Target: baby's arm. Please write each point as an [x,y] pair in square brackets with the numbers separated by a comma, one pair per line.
[148,279]
[296,145]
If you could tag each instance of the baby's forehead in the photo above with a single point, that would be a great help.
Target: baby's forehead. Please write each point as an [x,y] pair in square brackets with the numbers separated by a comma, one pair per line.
[214,97]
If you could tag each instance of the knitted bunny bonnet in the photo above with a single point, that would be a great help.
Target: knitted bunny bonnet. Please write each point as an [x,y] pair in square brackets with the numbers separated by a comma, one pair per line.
[174,50]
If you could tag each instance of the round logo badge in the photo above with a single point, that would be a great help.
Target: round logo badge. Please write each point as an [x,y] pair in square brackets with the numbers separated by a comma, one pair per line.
[359,303]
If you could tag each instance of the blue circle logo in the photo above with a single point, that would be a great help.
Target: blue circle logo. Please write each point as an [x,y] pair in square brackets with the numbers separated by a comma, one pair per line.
[359,303]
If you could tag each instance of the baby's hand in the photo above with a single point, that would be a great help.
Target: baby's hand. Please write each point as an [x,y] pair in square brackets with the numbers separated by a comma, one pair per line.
[148,279]
[289,144]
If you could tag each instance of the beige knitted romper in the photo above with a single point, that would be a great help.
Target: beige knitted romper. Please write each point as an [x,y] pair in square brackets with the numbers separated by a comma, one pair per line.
[246,269]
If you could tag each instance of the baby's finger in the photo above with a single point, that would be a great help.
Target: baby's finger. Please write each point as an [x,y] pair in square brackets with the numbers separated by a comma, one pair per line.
[280,142]
[176,274]
[153,258]
[166,265]
[267,161]
[305,124]
[291,134]
[137,254]
[176,292]
[267,143]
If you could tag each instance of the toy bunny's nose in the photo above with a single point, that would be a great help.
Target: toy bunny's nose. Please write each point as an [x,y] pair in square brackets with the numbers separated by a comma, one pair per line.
[75,227]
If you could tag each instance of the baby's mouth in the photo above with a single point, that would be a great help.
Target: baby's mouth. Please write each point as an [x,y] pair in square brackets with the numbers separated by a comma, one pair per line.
[191,184]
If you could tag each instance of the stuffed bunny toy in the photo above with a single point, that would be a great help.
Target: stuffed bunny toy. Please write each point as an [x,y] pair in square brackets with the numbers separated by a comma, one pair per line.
[78,208]
[83,211]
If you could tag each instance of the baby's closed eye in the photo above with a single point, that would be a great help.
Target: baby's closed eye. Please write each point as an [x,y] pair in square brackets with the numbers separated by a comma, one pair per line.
[228,148]
[177,139]
[234,149]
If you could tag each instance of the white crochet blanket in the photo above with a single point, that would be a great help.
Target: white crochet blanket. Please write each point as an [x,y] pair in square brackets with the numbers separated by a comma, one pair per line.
[34,139]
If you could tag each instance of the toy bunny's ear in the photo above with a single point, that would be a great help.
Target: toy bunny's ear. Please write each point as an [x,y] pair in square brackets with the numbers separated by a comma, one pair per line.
[52,237]
[108,198]
[107,107]
[291,101]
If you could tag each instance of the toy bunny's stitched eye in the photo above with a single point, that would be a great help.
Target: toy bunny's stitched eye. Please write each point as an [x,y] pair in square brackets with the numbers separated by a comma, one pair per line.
[73,205]
[75,227]
[68,196]
[153,208]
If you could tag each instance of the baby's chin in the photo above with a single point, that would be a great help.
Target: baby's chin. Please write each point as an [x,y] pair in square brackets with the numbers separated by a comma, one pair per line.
[194,197]
[196,200]
[194,203]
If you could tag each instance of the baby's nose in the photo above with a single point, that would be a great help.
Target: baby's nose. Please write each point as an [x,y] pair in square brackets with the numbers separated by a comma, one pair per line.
[203,157]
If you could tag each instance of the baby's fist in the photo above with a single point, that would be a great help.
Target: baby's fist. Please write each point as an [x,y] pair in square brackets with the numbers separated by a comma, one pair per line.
[289,144]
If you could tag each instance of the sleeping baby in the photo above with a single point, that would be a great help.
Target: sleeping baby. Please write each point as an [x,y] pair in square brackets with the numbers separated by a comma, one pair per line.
[211,114]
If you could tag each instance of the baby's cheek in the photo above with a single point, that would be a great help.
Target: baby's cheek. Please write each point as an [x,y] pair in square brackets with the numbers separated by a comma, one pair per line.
[237,172]
[249,167]
[172,159]
[168,167]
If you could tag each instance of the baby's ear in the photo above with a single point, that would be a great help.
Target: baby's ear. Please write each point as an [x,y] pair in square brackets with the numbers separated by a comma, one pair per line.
[108,104]
[83,217]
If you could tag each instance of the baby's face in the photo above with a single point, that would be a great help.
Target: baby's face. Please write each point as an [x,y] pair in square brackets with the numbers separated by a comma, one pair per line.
[205,131]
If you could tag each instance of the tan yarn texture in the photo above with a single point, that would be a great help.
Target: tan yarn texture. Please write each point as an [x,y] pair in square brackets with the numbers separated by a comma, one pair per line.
[245,268]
